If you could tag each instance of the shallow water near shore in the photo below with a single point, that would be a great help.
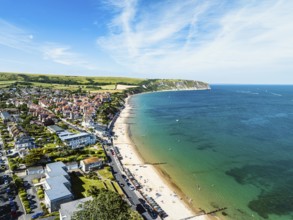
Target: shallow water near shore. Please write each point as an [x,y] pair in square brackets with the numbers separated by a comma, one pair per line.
[229,147]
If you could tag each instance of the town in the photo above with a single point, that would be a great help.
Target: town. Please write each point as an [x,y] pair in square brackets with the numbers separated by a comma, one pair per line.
[57,152]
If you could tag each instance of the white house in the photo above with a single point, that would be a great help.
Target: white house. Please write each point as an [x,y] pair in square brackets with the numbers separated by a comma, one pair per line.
[91,163]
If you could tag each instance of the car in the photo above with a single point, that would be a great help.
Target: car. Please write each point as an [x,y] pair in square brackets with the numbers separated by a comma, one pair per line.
[146,206]
[153,214]
[31,202]
[131,187]
[37,215]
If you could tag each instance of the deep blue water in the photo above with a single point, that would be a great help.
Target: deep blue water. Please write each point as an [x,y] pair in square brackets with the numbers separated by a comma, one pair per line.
[229,147]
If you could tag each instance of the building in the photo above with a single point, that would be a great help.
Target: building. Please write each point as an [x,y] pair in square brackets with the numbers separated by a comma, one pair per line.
[78,140]
[5,116]
[57,186]
[35,170]
[55,129]
[72,166]
[91,163]
[24,142]
[67,209]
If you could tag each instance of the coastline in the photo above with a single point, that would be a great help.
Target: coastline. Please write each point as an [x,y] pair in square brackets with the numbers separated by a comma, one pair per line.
[156,183]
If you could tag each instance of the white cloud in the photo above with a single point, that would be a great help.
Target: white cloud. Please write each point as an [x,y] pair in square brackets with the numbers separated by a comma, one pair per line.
[210,41]
[64,55]
[15,37]
[12,36]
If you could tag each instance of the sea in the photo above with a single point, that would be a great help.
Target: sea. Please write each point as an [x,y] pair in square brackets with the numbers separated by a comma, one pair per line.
[230,147]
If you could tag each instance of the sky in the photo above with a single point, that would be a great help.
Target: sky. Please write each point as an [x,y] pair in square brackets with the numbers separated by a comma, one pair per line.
[216,41]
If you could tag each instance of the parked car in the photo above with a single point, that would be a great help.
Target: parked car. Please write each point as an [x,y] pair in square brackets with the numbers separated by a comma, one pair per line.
[37,215]
[131,187]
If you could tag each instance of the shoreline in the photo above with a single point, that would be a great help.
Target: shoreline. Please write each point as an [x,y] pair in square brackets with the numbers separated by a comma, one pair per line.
[155,181]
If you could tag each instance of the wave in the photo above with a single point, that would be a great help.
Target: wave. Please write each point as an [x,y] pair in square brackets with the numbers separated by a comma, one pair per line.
[276,94]
[247,92]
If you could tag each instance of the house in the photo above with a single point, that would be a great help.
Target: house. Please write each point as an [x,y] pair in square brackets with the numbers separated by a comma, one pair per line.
[71,166]
[78,140]
[24,142]
[34,170]
[14,130]
[91,163]
[57,186]
[67,209]
[55,129]
[5,116]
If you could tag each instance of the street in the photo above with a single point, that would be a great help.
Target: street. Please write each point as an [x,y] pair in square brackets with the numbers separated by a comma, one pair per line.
[132,195]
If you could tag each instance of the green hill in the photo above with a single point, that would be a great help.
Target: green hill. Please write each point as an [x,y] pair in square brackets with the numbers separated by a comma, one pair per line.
[99,83]
[70,80]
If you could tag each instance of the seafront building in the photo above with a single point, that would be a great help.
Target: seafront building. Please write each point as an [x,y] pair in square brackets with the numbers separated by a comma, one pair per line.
[57,186]
[77,140]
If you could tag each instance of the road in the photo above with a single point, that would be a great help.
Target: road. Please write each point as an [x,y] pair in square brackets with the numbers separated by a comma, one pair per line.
[132,196]
[4,194]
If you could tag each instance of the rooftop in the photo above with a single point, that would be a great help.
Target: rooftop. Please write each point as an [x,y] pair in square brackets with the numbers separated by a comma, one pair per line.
[92,160]
[55,128]
[5,115]
[57,188]
[56,169]
[35,168]
[79,135]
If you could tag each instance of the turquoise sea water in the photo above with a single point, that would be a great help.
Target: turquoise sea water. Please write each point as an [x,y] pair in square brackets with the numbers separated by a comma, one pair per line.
[229,147]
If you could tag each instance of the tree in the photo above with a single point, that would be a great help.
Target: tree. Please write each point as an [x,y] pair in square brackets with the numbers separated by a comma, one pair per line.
[106,205]
[33,157]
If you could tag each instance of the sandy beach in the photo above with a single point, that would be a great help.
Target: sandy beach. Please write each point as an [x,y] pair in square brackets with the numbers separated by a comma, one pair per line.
[153,183]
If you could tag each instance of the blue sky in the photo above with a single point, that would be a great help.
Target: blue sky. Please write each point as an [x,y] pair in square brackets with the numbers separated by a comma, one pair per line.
[217,41]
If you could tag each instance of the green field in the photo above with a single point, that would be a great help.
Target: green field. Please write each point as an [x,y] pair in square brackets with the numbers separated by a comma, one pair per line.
[69,80]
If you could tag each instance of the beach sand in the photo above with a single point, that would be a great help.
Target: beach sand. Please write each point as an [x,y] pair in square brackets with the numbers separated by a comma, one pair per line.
[148,176]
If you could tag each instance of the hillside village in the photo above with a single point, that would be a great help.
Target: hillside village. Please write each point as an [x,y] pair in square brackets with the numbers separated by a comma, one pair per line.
[50,141]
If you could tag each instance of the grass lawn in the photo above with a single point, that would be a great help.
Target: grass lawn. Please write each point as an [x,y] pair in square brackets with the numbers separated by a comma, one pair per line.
[50,145]
[118,188]
[109,185]
[81,184]
[106,173]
